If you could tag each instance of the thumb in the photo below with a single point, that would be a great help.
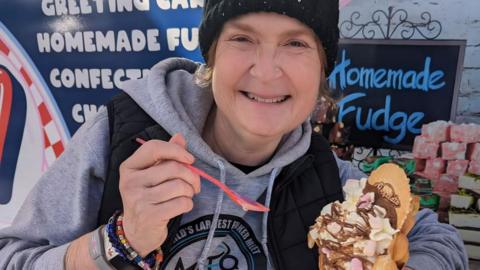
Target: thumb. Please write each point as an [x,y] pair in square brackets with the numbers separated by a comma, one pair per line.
[178,139]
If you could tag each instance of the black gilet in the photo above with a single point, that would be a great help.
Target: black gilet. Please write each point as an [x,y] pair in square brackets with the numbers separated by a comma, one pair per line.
[299,193]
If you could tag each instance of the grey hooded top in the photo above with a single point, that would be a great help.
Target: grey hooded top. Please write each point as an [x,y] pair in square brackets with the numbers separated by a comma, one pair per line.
[216,234]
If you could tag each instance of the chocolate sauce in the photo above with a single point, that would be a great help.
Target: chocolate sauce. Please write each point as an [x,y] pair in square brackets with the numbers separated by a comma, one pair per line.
[383,202]
[357,231]
[341,254]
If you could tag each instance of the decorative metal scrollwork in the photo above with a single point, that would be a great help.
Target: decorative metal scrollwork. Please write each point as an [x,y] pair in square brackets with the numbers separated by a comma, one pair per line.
[386,24]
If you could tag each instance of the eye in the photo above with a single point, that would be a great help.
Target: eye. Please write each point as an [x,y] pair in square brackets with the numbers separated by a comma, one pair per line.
[297,44]
[240,38]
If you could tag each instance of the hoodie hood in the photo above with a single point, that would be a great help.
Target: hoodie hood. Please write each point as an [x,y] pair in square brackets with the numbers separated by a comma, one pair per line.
[170,96]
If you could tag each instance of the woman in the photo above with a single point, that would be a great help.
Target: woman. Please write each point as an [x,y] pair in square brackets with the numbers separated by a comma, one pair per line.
[266,61]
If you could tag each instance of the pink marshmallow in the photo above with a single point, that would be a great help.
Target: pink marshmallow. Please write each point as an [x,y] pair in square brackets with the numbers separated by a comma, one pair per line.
[437,131]
[446,183]
[474,167]
[457,167]
[473,151]
[467,133]
[356,264]
[434,168]
[327,252]
[435,165]
[453,150]
[422,148]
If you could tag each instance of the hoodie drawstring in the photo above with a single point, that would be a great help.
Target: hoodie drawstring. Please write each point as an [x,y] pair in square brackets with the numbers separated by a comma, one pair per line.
[211,232]
[265,216]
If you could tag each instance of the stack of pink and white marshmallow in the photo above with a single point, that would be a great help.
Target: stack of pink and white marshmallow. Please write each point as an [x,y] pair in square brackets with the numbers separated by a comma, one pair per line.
[445,151]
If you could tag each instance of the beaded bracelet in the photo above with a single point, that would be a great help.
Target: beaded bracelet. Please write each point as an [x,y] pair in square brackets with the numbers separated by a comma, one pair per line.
[122,247]
[119,242]
[150,260]
[112,237]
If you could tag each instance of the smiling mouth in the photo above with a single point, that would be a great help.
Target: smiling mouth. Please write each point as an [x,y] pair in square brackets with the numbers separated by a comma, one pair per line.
[256,98]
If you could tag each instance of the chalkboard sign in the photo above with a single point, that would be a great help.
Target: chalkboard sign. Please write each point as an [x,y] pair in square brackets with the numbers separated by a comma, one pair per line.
[390,88]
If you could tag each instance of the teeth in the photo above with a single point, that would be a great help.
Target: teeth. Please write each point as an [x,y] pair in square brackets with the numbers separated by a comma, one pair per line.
[266,100]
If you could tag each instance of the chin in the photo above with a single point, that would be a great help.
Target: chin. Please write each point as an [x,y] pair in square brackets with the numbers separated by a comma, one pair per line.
[267,130]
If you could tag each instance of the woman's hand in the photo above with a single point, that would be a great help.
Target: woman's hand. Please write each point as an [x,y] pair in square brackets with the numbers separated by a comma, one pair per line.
[155,186]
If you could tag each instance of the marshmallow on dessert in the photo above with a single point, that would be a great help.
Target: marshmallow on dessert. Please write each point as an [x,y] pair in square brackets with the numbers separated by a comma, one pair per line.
[366,231]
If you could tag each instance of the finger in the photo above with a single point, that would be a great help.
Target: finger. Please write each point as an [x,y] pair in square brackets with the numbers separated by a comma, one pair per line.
[169,190]
[178,139]
[154,151]
[165,171]
[170,209]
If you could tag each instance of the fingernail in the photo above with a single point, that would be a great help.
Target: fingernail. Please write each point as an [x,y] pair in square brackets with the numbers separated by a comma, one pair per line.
[190,158]
[140,140]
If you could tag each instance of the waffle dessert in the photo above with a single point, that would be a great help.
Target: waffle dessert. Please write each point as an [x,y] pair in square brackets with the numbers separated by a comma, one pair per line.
[368,230]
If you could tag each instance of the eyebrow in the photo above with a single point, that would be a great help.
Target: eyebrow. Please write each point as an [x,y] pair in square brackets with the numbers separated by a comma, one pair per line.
[292,32]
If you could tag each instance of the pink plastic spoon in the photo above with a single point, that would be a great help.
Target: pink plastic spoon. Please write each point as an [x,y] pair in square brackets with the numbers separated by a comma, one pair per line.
[246,203]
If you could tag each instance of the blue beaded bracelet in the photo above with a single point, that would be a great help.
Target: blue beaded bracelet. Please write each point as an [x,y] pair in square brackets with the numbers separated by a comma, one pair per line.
[112,237]
[119,242]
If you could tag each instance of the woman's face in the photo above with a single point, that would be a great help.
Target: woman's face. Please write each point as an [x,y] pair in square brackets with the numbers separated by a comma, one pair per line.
[266,75]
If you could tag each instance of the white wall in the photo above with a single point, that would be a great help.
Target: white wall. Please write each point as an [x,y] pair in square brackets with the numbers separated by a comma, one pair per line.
[460,19]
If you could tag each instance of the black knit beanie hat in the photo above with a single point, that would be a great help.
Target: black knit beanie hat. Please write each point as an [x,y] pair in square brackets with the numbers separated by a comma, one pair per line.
[320,15]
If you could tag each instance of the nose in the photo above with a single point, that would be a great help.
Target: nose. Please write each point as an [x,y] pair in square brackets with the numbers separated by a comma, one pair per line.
[265,66]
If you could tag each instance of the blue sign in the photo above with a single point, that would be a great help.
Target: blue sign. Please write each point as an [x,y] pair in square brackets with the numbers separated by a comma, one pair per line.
[60,61]
[85,48]
[391,87]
